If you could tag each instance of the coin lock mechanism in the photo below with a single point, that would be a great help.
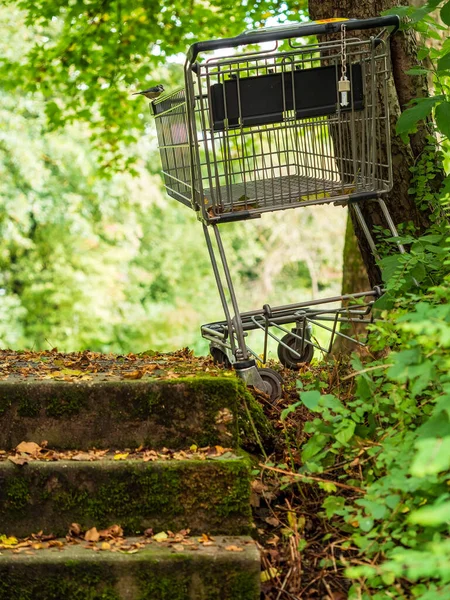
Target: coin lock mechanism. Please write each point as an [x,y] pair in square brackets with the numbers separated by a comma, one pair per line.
[344,83]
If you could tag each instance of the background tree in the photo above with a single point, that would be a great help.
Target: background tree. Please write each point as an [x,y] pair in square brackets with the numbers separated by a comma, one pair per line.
[403,88]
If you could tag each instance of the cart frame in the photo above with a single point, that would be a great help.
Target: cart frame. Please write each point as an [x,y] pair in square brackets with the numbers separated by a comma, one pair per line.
[264,130]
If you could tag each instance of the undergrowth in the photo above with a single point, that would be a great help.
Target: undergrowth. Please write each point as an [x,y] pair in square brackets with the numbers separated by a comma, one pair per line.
[355,503]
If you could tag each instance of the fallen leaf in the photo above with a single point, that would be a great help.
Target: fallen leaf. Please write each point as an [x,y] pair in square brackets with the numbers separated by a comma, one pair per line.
[8,541]
[92,535]
[269,574]
[81,456]
[160,537]
[28,448]
[179,547]
[234,549]
[133,374]
[115,531]
[272,521]
[18,460]
[75,529]
[121,456]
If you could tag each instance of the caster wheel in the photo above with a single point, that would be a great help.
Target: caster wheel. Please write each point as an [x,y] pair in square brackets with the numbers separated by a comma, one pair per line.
[220,357]
[288,359]
[273,381]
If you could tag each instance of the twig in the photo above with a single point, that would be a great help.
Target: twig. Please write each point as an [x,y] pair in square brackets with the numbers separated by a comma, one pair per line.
[255,430]
[356,373]
[344,486]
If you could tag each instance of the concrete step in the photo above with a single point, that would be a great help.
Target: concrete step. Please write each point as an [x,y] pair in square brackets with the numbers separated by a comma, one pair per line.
[156,572]
[206,496]
[115,413]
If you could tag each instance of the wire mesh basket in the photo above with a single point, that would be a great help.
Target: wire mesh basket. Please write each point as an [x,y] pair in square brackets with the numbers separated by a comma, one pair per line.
[270,130]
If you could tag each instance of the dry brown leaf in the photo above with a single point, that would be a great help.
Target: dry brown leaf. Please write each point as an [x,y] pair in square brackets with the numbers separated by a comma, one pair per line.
[116,531]
[234,549]
[30,448]
[81,456]
[133,374]
[92,535]
[178,547]
[18,460]
[75,529]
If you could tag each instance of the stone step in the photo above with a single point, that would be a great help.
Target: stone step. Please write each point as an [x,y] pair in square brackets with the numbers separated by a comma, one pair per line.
[156,572]
[115,413]
[206,496]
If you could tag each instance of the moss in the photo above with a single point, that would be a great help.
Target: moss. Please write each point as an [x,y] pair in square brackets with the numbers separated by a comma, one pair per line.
[5,404]
[17,494]
[152,575]
[29,407]
[174,413]
[251,416]
[198,579]
[70,401]
[76,582]
[202,495]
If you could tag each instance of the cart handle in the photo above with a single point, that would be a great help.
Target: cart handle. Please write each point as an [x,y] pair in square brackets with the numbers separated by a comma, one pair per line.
[284,32]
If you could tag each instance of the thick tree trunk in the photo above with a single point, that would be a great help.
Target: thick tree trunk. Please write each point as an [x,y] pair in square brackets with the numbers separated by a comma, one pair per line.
[402,88]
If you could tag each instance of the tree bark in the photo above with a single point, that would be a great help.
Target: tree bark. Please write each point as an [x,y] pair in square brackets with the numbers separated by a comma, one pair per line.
[401,89]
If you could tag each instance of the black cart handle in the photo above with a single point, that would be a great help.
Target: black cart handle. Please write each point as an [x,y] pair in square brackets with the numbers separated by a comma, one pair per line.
[284,32]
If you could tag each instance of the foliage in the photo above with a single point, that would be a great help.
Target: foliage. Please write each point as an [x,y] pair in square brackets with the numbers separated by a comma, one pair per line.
[86,57]
[93,258]
[386,430]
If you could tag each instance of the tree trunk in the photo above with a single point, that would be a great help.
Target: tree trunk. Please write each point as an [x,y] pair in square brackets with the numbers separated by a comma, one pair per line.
[354,279]
[401,89]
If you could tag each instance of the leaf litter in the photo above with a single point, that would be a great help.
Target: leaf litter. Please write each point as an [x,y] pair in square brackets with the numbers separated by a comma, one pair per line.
[113,539]
[27,452]
[93,366]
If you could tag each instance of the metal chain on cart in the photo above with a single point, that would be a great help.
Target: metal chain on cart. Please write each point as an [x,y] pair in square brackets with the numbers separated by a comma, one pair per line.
[344,83]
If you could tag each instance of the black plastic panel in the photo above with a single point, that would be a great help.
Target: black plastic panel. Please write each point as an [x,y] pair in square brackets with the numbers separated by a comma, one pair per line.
[311,92]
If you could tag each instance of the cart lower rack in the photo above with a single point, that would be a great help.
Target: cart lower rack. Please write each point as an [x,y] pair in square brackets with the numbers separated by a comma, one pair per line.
[272,123]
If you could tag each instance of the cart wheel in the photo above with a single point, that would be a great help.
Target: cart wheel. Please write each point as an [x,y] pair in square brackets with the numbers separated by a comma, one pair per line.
[288,359]
[220,357]
[274,380]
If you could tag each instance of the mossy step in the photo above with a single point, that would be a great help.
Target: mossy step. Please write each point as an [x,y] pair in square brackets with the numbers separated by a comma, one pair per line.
[156,572]
[103,414]
[206,496]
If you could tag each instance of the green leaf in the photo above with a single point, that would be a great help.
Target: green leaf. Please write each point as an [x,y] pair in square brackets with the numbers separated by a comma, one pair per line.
[313,446]
[433,456]
[442,115]
[417,71]
[411,116]
[347,432]
[366,524]
[333,403]
[290,409]
[431,515]
[443,63]
[311,399]
[333,504]
[445,13]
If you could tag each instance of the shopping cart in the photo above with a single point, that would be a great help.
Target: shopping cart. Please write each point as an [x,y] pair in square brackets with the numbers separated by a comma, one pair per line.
[277,122]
